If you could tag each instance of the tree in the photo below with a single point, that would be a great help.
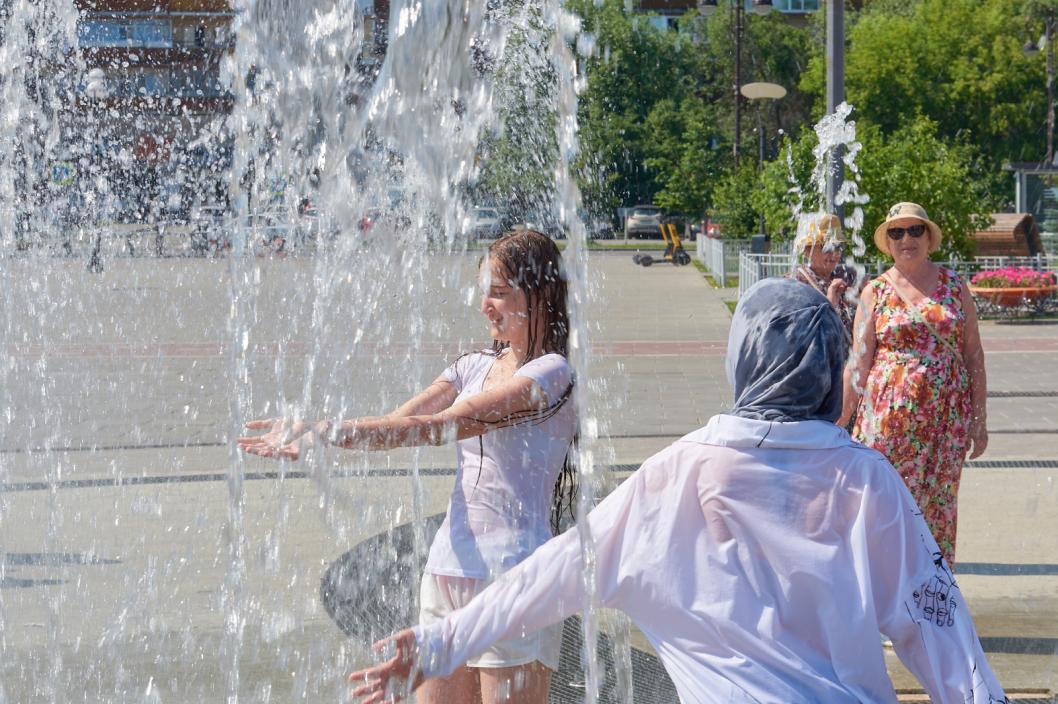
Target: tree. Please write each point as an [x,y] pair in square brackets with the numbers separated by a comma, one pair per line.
[914,164]
[517,161]
[956,62]
[735,206]
[911,164]
[685,149]
[636,67]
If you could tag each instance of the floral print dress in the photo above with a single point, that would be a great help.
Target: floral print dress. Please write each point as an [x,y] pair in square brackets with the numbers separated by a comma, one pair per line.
[916,409]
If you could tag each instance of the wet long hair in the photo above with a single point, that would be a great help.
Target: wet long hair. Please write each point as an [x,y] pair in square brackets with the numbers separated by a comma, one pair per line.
[532,262]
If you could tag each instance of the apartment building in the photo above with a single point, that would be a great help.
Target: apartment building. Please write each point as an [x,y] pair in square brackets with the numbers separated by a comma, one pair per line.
[151,88]
[667,12]
[153,67]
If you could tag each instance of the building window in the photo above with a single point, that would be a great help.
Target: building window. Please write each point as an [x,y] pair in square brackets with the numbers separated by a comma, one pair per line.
[796,6]
[125,33]
[139,83]
[197,83]
[664,22]
[202,36]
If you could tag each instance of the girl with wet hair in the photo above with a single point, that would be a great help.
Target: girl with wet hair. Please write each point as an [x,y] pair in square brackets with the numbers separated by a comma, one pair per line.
[508,410]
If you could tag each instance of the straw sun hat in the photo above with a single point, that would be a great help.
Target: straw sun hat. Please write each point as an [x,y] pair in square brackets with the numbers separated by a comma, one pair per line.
[818,230]
[901,211]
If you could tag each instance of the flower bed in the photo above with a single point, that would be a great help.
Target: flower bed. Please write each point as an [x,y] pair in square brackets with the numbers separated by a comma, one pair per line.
[1014,286]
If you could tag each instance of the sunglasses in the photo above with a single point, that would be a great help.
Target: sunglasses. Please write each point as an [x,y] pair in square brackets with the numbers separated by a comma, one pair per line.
[897,233]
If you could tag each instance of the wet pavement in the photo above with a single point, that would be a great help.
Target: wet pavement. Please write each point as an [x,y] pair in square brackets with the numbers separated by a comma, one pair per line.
[140,559]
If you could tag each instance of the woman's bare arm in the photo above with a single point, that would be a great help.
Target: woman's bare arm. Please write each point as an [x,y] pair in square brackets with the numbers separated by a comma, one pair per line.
[974,357]
[859,366]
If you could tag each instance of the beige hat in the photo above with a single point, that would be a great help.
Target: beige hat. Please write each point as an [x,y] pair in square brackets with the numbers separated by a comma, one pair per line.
[817,230]
[906,210]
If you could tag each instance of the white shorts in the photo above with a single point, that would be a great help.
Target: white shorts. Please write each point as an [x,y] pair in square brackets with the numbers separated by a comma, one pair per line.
[440,595]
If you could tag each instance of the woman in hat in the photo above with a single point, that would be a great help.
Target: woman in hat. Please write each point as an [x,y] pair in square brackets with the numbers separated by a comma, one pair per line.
[820,245]
[917,377]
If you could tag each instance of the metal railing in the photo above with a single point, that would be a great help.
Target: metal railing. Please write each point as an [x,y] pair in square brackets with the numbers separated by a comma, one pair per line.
[711,253]
[754,267]
[721,256]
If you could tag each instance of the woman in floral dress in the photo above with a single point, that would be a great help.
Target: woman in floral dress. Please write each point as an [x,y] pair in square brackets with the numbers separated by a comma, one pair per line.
[917,377]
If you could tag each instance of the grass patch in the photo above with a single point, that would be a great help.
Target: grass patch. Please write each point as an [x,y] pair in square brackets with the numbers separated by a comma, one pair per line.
[702,270]
[731,306]
[711,279]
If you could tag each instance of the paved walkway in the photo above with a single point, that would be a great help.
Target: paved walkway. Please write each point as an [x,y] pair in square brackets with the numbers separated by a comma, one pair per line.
[122,503]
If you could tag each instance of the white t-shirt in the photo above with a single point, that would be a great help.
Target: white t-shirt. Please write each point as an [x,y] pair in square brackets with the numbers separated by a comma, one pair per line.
[500,508]
[761,560]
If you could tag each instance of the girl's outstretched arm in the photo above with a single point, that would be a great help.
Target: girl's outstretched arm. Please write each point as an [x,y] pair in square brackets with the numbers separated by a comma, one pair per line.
[411,425]
[499,407]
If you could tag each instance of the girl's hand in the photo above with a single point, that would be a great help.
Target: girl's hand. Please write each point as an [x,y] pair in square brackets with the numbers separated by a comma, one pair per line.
[394,679]
[284,439]
[978,439]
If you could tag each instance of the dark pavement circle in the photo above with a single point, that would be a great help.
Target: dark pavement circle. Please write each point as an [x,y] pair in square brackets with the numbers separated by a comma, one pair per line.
[372,591]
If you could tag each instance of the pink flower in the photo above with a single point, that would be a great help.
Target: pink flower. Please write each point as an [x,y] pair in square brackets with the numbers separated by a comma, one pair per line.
[1013,277]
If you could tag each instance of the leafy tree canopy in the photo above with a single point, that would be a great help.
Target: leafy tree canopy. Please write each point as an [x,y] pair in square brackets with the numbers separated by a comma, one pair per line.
[956,62]
[911,164]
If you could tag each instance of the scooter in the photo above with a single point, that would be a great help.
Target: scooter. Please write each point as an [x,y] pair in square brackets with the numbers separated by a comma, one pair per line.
[674,253]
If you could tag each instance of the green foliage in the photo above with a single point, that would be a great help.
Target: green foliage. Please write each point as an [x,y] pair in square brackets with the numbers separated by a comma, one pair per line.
[735,203]
[517,163]
[942,92]
[657,116]
[637,67]
[958,63]
[911,164]
[684,148]
[914,164]
[781,193]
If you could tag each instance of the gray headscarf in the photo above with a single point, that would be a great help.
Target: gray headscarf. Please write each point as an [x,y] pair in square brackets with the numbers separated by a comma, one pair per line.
[785,354]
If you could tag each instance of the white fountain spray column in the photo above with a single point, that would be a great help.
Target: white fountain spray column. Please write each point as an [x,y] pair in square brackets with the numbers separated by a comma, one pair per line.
[366,306]
[567,41]
[39,57]
[836,131]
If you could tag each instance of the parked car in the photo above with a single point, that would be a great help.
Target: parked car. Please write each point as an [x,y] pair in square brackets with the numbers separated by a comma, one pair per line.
[484,223]
[644,221]
[597,227]
[368,220]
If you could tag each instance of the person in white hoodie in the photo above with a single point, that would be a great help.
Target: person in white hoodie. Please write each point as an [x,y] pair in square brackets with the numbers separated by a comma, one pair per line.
[760,555]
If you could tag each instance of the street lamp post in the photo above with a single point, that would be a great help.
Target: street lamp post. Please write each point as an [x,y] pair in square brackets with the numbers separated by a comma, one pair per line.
[95,90]
[760,7]
[1030,49]
[761,92]
[835,55]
